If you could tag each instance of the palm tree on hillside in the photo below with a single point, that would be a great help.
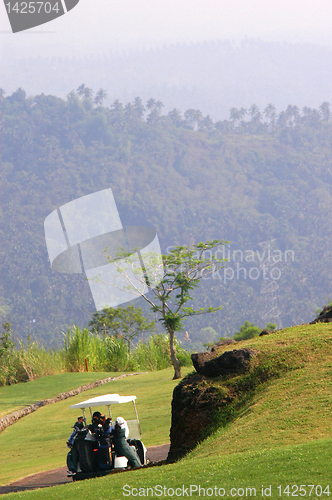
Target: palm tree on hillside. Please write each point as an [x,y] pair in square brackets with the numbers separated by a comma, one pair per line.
[100,96]
[175,117]
[80,90]
[292,115]
[324,109]
[270,114]
[255,114]
[234,115]
[155,110]
[138,107]
[84,92]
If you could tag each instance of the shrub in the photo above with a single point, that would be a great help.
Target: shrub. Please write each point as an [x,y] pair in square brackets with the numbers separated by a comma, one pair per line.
[8,357]
[81,345]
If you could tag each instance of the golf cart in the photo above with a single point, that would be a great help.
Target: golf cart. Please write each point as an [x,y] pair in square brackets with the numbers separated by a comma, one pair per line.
[94,449]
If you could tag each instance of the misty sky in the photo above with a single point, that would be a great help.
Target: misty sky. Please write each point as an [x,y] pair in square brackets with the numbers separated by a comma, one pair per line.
[105,25]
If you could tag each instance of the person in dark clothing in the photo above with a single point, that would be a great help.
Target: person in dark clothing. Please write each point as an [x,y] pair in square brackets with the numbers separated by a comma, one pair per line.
[72,456]
[121,446]
[105,422]
[79,424]
[96,423]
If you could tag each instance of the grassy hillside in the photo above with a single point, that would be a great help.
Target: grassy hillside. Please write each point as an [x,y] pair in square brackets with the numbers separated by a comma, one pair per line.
[15,397]
[280,437]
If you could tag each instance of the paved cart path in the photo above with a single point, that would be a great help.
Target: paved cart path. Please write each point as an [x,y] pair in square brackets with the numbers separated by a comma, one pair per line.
[59,476]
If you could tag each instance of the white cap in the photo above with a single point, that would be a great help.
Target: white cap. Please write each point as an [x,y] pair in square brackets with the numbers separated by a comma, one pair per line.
[120,421]
[123,424]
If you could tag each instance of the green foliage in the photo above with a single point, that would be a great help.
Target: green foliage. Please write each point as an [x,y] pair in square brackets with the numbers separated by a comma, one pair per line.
[103,353]
[249,330]
[173,280]
[80,345]
[117,355]
[36,361]
[110,353]
[27,362]
[156,354]
[270,326]
[8,357]
[319,310]
[122,322]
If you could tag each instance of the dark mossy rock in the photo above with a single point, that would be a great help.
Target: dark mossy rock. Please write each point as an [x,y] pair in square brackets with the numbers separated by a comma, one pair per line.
[193,405]
[323,317]
[200,358]
[229,362]
[265,332]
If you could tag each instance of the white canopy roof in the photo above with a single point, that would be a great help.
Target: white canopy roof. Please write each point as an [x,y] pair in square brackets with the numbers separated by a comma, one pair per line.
[108,399]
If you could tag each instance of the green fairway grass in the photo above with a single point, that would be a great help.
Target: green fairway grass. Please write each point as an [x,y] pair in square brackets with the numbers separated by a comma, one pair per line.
[281,435]
[37,442]
[15,397]
[239,474]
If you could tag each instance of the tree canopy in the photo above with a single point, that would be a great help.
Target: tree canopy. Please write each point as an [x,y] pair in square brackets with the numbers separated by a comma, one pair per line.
[253,179]
[171,281]
[126,322]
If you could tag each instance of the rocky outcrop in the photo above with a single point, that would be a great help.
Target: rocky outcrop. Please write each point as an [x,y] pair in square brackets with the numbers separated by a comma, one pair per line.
[17,415]
[209,365]
[196,400]
[323,317]
[221,343]
[193,405]
[265,332]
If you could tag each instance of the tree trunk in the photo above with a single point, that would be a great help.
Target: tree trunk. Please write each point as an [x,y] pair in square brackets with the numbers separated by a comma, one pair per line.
[174,359]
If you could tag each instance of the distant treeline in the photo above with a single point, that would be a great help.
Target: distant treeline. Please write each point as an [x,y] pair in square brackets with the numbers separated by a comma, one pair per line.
[241,120]
[211,76]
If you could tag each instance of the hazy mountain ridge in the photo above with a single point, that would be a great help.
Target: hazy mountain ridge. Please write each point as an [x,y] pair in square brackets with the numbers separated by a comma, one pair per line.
[209,76]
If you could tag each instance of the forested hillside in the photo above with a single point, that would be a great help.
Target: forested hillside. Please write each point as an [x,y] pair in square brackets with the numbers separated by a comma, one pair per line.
[256,177]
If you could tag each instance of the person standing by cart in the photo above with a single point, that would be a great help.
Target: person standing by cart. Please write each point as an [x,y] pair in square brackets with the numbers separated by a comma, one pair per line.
[72,456]
[119,436]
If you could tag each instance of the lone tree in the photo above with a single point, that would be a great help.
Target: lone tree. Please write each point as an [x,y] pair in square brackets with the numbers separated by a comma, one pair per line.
[179,273]
[126,322]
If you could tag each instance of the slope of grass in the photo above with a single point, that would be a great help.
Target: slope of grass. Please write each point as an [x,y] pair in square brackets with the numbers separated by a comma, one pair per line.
[38,441]
[15,397]
[280,436]
[294,406]
[238,475]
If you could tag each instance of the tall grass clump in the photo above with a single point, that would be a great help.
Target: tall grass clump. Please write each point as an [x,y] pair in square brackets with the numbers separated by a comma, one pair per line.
[29,360]
[26,362]
[155,355]
[117,354]
[110,353]
[80,345]
[8,357]
[35,361]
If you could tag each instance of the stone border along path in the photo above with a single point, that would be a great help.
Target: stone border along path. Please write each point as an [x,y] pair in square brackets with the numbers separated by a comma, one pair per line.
[14,417]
